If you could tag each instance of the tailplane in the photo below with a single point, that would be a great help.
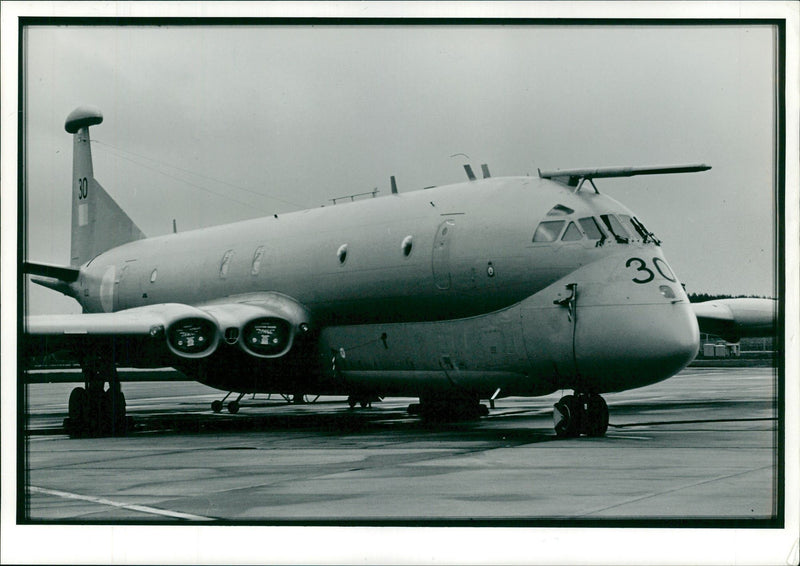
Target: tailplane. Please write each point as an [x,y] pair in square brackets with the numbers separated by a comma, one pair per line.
[98,222]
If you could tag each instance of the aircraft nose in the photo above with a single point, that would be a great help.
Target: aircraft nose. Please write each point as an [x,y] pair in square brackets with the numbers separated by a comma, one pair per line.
[631,335]
[649,343]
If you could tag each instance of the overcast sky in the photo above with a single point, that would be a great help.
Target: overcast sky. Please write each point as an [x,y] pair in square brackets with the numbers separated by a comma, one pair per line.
[210,125]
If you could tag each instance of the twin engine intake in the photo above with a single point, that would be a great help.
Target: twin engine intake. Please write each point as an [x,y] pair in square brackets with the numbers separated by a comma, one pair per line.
[263,325]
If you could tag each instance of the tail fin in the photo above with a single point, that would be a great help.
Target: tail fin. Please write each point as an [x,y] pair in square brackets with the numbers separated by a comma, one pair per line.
[98,223]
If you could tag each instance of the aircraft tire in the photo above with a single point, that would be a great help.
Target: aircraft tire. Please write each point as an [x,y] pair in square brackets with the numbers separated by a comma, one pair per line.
[352,402]
[233,407]
[596,421]
[78,409]
[96,415]
[567,417]
[216,406]
[115,407]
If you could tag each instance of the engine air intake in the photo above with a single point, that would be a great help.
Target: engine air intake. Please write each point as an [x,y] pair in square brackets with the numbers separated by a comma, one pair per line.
[192,337]
[267,337]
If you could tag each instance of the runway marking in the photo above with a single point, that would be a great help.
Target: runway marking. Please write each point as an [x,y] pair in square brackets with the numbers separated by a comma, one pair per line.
[673,490]
[132,507]
[696,421]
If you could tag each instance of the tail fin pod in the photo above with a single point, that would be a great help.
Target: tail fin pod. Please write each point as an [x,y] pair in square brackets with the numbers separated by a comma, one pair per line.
[98,223]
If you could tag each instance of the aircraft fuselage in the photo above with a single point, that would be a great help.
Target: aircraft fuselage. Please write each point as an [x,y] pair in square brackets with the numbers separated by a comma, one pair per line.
[459,287]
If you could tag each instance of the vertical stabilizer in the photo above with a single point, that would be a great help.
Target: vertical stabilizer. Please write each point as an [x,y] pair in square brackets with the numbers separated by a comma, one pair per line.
[98,223]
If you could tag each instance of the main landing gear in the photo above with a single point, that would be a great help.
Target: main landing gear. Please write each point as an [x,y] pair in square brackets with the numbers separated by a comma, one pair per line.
[93,410]
[582,413]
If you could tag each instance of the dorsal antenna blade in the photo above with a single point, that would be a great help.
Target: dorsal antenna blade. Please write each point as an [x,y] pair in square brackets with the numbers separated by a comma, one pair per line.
[470,174]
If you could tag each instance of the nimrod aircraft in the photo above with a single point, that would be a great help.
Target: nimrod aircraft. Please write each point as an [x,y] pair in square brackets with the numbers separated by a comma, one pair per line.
[494,287]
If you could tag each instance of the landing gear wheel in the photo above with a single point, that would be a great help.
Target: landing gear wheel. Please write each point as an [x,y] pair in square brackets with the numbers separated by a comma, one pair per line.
[567,417]
[76,424]
[596,421]
[114,410]
[352,402]
[216,406]
[93,410]
[233,407]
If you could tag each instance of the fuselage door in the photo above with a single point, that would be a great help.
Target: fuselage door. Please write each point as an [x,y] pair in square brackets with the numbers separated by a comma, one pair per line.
[442,244]
[549,320]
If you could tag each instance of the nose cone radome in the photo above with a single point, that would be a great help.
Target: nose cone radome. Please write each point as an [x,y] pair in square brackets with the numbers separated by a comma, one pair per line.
[626,346]
[635,327]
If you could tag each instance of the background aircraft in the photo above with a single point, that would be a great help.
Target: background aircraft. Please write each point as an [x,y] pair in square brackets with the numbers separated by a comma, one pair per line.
[482,289]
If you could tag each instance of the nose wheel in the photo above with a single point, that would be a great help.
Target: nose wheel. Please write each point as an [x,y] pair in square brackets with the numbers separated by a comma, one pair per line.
[584,413]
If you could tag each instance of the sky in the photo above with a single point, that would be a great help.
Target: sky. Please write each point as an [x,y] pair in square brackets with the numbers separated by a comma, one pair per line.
[213,124]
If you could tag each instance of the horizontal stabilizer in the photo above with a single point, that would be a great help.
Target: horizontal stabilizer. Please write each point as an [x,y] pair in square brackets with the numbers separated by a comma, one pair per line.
[66,274]
[56,285]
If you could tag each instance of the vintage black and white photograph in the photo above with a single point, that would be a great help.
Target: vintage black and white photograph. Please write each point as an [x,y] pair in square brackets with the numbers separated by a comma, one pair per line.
[319,270]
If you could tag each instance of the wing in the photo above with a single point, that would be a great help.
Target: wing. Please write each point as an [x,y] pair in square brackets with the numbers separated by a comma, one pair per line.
[146,335]
[264,325]
[733,319]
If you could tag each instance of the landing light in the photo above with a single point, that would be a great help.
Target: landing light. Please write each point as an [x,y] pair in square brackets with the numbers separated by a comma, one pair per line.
[667,292]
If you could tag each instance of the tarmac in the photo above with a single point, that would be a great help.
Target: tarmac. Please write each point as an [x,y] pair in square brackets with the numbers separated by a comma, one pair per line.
[698,449]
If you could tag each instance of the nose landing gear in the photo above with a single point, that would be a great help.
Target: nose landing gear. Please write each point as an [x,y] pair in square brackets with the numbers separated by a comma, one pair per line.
[583,413]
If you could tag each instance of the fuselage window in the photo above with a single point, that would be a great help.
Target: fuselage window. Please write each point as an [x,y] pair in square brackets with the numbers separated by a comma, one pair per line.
[225,264]
[259,253]
[591,228]
[548,231]
[406,246]
[615,228]
[572,233]
[154,276]
[341,253]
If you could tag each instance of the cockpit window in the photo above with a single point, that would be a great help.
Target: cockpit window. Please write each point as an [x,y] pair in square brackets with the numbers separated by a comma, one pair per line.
[560,210]
[640,228]
[548,231]
[572,233]
[615,228]
[591,228]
